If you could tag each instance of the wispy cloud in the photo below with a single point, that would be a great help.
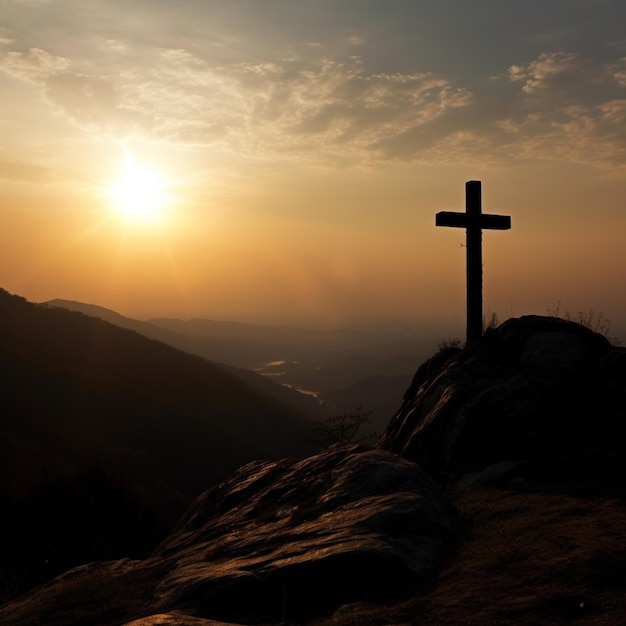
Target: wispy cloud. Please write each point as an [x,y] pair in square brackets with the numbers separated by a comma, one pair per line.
[556,106]
[315,110]
[34,66]
[568,111]
[550,72]
[618,71]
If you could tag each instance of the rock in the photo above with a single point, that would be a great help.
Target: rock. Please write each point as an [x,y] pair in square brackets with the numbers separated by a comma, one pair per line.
[176,618]
[534,387]
[276,541]
[306,535]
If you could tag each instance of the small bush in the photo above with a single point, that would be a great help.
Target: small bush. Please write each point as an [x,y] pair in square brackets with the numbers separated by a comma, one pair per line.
[446,344]
[342,428]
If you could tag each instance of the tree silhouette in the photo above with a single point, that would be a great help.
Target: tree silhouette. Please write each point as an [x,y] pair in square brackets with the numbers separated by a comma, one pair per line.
[342,428]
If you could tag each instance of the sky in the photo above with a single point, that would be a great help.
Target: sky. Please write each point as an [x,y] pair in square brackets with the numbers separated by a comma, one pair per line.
[283,160]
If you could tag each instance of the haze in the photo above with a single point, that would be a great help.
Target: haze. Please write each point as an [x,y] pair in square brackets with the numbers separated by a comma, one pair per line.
[306,147]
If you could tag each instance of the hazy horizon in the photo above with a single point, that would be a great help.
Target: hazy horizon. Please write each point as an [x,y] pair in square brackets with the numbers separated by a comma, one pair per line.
[437,329]
[282,162]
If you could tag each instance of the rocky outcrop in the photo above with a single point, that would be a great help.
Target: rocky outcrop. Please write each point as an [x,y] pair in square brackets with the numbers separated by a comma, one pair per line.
[284,540]
[311,534]
[535,387]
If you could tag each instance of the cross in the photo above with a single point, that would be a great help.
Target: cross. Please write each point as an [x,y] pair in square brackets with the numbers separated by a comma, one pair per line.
[473,220]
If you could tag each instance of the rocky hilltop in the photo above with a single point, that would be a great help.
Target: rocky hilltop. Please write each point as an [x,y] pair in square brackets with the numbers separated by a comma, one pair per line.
[536,387]
[496,496]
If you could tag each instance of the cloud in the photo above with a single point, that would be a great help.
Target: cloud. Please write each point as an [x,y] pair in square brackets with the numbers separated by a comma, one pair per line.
[34,66]
[618,72]
[327,109]
[338,109]
[330,110]
[593,135]
[553,74]
[567,111]
[88,99]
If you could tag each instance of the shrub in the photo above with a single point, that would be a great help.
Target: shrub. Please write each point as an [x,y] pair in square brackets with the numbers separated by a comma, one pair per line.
[342,428]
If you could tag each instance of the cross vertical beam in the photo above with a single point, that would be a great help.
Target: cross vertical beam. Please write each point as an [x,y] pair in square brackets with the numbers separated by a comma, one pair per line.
[474,261]
[473,220]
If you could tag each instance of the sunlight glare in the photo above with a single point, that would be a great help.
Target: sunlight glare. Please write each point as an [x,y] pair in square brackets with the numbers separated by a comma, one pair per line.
[138,193]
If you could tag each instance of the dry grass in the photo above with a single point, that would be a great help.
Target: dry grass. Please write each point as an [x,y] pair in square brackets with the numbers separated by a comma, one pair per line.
[535,558]
[530,556]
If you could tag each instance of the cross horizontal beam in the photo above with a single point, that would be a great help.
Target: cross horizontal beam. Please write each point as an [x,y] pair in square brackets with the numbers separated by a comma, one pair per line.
[463,220]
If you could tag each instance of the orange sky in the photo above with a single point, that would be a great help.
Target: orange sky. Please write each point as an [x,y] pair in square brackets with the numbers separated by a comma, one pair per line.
[305,153]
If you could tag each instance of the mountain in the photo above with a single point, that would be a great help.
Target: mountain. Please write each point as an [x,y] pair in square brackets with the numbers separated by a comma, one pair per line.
[76,384]
[349,354]
[93,310]
[495,496]
[213,349]
[321,372]
[93,413]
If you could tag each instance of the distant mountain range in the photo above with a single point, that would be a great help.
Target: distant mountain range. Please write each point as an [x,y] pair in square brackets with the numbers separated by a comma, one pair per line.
[338,370]
[223,351]
[77,388]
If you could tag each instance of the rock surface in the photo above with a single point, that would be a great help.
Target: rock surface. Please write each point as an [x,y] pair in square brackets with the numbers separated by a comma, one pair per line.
[176,618]
[284,540]
[310,534]
[535,387]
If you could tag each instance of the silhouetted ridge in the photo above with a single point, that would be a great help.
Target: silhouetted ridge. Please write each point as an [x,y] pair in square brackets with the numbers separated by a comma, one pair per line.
[118,388]
[213,348]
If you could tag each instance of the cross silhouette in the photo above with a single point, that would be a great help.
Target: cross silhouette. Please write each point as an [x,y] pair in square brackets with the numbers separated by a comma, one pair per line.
[473,220]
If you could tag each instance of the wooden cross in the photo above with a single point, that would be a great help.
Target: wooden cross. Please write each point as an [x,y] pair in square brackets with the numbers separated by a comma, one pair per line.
[473,220]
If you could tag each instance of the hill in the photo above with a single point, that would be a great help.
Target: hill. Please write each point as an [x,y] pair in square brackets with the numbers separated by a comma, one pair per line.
[495,496]
[74,384]
[222,347]
[317,371]
[88,406]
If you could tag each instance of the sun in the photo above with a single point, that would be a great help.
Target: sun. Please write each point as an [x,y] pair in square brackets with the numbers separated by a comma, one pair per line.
[138,193]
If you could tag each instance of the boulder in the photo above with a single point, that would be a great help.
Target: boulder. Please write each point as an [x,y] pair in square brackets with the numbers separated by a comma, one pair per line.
[306,536]
[534,387]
